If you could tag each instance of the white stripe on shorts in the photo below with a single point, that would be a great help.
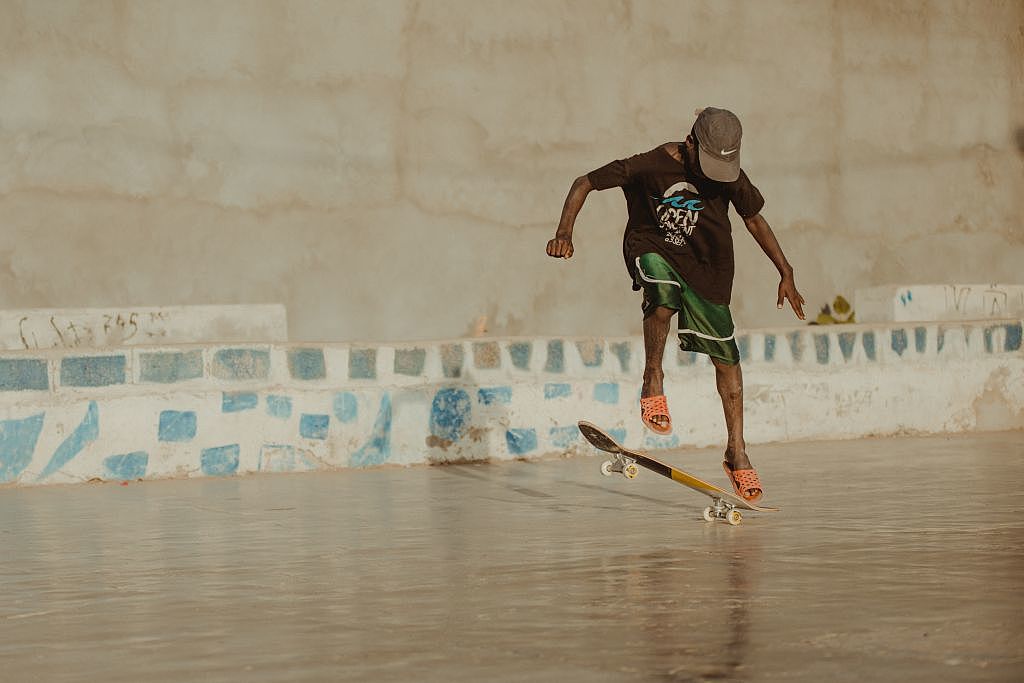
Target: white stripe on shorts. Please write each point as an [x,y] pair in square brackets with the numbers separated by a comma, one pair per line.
[651,279]
[707,336]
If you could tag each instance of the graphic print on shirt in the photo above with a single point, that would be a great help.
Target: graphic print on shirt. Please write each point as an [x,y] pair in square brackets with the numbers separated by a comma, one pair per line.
[678,212]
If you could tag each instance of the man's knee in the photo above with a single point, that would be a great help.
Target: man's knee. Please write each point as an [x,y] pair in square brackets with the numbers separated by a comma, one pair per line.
[661,313]
[723,366]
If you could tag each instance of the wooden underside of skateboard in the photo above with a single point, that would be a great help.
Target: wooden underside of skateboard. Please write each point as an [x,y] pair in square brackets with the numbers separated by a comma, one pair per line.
[725,505]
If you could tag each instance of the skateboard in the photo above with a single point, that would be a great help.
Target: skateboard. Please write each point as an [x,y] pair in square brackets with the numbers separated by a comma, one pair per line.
[725,505]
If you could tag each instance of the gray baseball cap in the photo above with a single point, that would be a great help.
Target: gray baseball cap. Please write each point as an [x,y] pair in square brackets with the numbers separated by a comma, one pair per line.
[718,133]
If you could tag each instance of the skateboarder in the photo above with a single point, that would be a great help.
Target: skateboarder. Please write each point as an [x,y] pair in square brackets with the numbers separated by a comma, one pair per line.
[678,251]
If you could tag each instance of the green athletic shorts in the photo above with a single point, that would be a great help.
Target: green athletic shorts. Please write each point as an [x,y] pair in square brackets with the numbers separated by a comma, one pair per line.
[704,327]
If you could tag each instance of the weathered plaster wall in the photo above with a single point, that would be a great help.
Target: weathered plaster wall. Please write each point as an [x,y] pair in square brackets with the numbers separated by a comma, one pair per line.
[391,169]
[69,415]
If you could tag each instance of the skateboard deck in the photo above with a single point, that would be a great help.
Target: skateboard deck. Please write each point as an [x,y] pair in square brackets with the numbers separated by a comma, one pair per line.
[725,504]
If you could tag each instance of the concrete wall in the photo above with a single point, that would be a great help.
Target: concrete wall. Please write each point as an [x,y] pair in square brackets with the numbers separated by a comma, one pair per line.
[197,411]
[391,169]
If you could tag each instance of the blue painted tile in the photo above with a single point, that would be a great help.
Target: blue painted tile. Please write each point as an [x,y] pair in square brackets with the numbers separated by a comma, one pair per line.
[521,441]
[867,339]
[1011,337]
[486,355]
[362,364]
[822,345]
[279,406]
[618,434]
[1012,342]
[940,340]
[450,414]
[275,457]
[410,362]
[241,364]
[556,356]
[520,353]
[168,367]
[377,450]
[591,352]
[494,395]
[23,374]
[623,352]
[452,360]
[899,341]
[220,461]
[314,426]
[126,467]
[92,371]
[86,432]
[177,425]
[18,439]
[307,364]
[238,401]
[846,344]
[557,390]
[920,338]
[606,392]
[346,407]
[796,345]
[563,437]
[769,348]
[656,441]
[743,343]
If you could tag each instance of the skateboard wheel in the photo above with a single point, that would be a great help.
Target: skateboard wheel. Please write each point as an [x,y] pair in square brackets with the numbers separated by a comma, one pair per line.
[606,468]
[630,471]
[734,517]
[709,514]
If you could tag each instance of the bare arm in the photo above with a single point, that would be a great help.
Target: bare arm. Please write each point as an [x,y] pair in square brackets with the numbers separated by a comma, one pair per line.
[765,238]
[561,245]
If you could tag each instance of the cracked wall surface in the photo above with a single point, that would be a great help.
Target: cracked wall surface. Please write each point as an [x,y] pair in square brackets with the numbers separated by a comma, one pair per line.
[392,170]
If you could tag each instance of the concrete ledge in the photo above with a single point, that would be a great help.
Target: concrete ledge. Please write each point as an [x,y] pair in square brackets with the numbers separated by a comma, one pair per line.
[214,410]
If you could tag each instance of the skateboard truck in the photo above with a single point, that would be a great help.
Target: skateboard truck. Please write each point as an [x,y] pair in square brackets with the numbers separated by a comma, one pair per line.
[623,464]
[719,509]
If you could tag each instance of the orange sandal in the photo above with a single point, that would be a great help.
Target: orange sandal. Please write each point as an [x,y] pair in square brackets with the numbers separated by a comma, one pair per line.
[655,406]
[744,480]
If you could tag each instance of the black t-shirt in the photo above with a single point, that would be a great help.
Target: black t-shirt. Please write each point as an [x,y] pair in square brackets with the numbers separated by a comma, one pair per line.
[678,213]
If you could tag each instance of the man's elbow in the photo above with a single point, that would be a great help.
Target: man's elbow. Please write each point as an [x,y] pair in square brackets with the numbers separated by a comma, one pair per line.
[755,223]
[582,184]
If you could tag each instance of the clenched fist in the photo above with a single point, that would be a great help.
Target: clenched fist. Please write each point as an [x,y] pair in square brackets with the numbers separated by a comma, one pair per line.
[560,248]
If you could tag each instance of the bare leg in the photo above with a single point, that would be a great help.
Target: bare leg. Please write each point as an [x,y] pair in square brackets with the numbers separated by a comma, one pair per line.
[655,335]
[730,388]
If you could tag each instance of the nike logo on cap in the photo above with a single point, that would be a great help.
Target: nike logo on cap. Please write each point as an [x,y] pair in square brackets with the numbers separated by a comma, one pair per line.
[727,152]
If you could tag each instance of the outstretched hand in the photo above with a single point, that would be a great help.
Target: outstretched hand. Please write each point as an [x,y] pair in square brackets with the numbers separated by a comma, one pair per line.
[560,248]
[787,290]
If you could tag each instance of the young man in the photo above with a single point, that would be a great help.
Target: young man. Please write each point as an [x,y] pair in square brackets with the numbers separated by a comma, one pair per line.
[678,250]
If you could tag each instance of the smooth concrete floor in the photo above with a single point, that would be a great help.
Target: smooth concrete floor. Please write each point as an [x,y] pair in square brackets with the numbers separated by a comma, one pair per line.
[895,559]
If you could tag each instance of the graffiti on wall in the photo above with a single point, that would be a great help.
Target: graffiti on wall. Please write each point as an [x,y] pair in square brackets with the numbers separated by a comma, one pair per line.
[106,329]
[991,301]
